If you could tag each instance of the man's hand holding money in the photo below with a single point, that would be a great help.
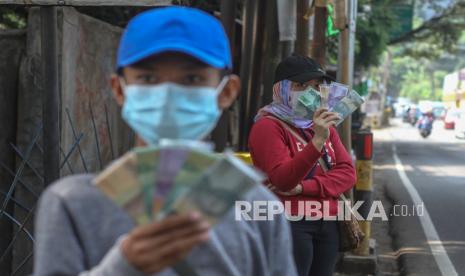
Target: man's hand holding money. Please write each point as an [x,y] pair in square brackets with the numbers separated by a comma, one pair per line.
[156,246]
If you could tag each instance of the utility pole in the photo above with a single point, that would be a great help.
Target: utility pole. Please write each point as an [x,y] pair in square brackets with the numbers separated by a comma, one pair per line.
[319,32]
[385,80]
[346,65]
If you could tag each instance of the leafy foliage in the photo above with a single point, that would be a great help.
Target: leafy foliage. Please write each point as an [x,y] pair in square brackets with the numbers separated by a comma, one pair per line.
[12,17]
[421,57]
[431,38]
[372,32]
[422,84]
[421,78]
[436,35]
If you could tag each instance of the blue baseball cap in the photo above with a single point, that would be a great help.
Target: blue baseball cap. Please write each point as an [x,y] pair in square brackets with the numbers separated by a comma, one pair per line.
[179,29]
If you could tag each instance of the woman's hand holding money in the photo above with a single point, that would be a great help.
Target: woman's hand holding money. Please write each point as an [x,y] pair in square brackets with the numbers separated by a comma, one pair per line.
[322,121]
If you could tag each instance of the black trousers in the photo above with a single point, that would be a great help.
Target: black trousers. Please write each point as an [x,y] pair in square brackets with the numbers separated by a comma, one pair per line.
[316,247]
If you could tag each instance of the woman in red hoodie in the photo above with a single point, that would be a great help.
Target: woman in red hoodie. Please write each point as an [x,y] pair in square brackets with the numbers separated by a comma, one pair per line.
[293,165]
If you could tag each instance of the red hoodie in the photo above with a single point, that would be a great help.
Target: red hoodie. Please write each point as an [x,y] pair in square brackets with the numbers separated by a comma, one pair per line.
[288,162]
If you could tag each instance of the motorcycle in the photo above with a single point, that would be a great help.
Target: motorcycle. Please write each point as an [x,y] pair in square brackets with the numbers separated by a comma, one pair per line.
[425,125]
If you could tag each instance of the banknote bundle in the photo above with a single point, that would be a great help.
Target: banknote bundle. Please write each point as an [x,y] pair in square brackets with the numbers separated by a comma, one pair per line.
[307,104]
[153,182]
[347,105]
[324,95]
[335,97]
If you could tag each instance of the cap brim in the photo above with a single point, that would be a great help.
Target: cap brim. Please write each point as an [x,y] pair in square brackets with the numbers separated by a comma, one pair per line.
[307,76]
[175,47]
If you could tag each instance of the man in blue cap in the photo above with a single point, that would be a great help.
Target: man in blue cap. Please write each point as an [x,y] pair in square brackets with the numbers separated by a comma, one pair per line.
[173,79]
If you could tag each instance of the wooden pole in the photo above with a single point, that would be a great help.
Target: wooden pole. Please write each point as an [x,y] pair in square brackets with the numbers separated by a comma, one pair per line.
[346,67]
[147,3]
[302,44]
[12,43]
[251,66]
[272,51]
[319,33]
[228,17]
[257,79]
[249,29]
[51,95]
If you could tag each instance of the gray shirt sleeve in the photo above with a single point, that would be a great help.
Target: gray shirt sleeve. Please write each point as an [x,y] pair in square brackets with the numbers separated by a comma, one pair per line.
[280,252]
[58,251]
[114,263]
[278,242]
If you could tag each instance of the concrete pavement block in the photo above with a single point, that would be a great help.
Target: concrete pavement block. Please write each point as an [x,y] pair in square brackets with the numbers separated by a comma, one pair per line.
[351,264]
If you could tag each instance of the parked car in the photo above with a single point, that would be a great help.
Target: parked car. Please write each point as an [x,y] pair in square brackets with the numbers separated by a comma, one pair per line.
[460,125]
[451,117]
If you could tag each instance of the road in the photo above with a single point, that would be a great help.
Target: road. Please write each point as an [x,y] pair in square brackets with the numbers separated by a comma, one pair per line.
[435,169]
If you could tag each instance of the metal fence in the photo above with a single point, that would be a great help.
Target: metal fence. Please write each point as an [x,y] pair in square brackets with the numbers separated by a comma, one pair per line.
[11,205]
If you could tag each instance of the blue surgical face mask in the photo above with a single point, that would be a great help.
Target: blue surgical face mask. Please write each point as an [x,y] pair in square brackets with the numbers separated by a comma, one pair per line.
[171,111]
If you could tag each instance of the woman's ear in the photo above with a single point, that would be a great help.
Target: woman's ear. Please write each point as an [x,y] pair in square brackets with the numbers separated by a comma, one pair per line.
[117,89]
[230,92]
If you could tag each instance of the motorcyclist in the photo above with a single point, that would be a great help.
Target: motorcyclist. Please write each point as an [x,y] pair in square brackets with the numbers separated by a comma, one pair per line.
[425,123]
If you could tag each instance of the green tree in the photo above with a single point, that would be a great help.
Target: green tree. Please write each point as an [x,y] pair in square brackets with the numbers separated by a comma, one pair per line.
[436,35]
[374,24]
[12,17]
[429,38]
[422,84]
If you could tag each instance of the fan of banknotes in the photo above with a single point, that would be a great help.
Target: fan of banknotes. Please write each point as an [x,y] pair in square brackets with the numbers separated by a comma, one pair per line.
[150,183]
[335,97]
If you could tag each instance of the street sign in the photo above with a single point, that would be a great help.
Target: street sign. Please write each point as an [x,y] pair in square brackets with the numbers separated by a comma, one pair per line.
[403,18]
[87,2]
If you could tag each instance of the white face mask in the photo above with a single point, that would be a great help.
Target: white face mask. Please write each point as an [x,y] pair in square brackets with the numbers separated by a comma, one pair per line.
[295,98]
[296,94]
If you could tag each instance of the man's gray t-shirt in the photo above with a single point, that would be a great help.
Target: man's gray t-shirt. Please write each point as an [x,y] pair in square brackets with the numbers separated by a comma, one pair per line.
[78,231]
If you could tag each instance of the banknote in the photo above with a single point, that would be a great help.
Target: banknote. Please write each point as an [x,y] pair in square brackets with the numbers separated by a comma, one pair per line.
[324,95]
[147,166]
[219,188]
[171,160]
[195,165]
[120,183]
[348,105]
[151,182]
[307,104]
[187,144]
[337,91]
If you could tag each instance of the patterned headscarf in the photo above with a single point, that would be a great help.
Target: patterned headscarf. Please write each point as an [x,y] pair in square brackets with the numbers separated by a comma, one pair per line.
[281,106]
